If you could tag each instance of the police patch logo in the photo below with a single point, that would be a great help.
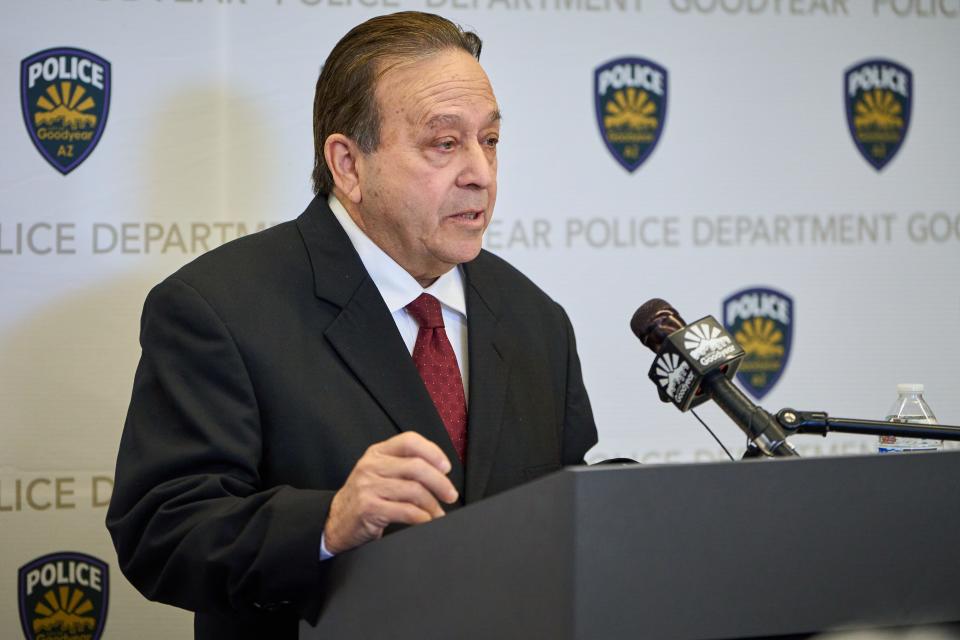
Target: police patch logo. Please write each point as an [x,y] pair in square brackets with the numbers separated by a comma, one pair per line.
[630,95]
[65,95]
[762,321]
[64,596]
[878,97]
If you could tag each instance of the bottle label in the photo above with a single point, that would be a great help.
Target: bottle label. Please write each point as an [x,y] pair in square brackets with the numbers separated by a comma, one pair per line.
[906,449]
[898,444]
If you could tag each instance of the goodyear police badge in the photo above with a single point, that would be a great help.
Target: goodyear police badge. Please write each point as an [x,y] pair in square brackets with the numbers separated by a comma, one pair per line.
[762,321]
[64,596]
[65,95]
[630,95]
[878,97]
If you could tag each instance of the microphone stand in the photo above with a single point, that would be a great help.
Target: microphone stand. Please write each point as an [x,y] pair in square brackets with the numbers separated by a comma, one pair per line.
[818,422]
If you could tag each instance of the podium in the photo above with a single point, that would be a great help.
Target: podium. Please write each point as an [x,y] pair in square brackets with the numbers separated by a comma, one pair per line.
[721,550]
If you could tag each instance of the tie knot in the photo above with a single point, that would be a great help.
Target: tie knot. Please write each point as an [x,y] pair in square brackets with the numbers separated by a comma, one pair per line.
[426,311]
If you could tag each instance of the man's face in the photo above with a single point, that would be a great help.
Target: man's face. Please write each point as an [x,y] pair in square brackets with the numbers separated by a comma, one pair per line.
[427,192]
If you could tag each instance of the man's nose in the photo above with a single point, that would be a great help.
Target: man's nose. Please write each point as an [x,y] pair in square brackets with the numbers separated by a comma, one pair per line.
[479,167]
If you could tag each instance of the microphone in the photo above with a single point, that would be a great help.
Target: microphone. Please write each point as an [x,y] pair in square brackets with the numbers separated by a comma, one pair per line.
[695,363]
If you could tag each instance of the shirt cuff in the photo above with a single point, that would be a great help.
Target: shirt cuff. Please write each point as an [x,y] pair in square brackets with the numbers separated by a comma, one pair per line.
[324,553]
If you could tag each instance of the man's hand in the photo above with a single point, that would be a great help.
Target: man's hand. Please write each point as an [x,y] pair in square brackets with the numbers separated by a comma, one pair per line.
[398,480]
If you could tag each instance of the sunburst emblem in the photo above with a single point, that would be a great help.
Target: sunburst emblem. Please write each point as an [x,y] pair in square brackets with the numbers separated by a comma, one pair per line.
[878,109]
[671,373]
[631,110]
[698,334]
[761,338]
[666,365]
[63,613]
[65,107]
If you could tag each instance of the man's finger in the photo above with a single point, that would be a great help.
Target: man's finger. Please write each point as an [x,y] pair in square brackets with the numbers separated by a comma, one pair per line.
[418,470]
[389,512]
[412,444]
[411,491]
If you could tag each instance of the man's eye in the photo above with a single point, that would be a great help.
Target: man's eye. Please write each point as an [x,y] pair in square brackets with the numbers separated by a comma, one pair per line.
[493,141]
[446,145]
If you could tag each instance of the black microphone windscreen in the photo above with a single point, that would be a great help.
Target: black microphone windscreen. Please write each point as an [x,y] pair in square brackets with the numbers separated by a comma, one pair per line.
[654,321]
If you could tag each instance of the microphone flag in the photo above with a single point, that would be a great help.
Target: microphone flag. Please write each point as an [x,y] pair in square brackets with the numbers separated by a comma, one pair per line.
[688,355]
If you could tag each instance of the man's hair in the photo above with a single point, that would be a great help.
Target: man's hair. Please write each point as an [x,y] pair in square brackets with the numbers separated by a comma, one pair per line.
[345,100]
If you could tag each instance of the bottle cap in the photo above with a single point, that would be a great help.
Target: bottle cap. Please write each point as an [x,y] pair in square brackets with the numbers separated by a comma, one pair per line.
[909,388]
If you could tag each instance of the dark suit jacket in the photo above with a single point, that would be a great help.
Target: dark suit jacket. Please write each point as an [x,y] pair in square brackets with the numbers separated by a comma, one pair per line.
[269,365]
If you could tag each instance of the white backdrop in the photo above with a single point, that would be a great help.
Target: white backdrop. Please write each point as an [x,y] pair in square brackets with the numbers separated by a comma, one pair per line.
[209,136]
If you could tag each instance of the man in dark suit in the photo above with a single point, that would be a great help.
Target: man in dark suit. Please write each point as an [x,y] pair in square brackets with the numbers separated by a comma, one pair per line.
[282,411]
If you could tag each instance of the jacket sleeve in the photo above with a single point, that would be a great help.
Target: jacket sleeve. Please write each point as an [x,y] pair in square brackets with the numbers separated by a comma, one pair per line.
[579,429]
[192,524]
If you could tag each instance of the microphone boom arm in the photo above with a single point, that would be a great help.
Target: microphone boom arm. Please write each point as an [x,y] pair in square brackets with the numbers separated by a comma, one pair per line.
[819,423]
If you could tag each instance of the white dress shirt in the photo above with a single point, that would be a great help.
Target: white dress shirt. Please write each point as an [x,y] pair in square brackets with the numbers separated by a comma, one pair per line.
[398,289]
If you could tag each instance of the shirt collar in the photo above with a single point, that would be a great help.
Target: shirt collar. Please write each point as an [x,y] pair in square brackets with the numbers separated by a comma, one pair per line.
[397,287]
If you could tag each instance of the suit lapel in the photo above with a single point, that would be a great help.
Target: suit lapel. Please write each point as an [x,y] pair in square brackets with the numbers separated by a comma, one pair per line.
[365,335]
[489,375]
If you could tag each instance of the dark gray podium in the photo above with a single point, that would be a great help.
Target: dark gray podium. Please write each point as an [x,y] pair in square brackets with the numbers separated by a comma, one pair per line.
[729,550]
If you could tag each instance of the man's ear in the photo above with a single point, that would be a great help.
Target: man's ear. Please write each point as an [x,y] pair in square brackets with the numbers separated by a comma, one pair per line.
[341,154]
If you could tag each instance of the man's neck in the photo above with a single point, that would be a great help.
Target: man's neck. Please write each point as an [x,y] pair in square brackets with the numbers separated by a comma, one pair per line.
[353,211]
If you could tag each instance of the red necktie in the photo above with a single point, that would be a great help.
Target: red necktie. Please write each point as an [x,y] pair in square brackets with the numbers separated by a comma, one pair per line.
[437,364]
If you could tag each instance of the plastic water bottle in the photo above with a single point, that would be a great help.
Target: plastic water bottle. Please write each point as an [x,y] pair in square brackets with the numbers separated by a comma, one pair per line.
[910,407]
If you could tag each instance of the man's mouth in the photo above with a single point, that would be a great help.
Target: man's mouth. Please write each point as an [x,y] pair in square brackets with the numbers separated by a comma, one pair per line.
[467,215]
